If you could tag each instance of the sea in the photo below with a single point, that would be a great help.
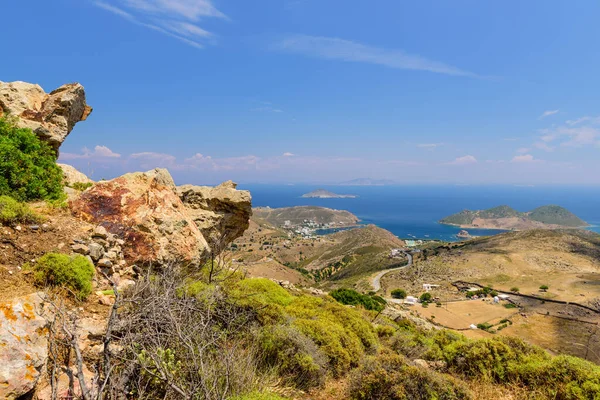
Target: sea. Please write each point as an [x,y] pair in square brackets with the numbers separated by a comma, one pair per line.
[413,212]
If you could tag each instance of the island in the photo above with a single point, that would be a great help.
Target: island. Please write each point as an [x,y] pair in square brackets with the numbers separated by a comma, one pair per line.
[326,194]
[507,218]
[300,216]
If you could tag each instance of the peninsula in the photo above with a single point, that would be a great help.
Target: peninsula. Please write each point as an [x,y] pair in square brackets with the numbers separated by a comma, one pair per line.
[326,194]
[505,217]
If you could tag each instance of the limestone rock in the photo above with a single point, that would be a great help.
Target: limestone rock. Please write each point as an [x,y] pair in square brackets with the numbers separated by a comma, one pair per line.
[80,249]
[73,176]
[221,213]
[143,208]
[23,345]
[51,116]
[96,251]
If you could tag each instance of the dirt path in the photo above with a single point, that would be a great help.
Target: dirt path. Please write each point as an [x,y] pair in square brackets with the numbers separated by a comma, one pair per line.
[376,281]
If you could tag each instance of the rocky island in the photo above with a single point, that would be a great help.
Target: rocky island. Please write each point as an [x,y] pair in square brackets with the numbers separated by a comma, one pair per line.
[505,217]
[326,194]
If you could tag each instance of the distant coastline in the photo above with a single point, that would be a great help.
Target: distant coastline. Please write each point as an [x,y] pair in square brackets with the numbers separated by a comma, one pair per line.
[326,194]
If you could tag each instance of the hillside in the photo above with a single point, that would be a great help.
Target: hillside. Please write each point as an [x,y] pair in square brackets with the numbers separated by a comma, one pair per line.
[268,251]
[505,217]
[298,215]
[567,261]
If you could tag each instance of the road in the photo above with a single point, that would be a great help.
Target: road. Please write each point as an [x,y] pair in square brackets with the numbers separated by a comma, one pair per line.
[376,281]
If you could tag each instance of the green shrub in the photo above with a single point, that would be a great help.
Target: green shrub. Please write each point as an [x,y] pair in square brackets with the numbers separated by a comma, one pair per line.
[399,293]
[544,288]
[352,297]
[12,211]
[258,396]
[386,376]
[74,273]
[514,289]
[296,358]
[341,333]
[28,169]
[510,305]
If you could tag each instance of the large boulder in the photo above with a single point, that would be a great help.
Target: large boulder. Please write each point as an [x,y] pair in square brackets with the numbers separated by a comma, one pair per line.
[51,116]
[23,345]
[72,175]
[221,213]
[143,209]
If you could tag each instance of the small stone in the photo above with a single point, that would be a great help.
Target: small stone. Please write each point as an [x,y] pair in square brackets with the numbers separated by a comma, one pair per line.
[34,227]
[80,249]
[111,255]
[100,232]
[60,245]
[18,228]
[102,242]
[104,263]
[106,300]
[96,251]
[45,227]
[120,242]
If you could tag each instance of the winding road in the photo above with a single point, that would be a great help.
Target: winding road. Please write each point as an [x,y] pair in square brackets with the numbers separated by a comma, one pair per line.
[376,281]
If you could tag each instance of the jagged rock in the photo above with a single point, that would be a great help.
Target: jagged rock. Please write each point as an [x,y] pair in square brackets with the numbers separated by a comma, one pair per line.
[51,116]
[221,213]
[96,251]
[73,176]
[144,209]
[100,232]
[80,249]
[104,263]
[23,345]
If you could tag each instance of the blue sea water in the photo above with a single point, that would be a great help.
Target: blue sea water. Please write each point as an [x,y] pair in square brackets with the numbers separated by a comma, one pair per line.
[413,211]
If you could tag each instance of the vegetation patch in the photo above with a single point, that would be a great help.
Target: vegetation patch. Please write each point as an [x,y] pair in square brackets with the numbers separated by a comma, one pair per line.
[28,169]
[13,211]
[352,297]
[74,273]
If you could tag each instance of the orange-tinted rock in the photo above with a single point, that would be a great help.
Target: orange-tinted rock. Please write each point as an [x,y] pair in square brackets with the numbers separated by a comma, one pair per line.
[23,345]
[144,210]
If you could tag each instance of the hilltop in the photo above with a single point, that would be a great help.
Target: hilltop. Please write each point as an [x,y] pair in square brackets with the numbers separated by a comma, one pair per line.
[505,217]
[326,194]
[295,216]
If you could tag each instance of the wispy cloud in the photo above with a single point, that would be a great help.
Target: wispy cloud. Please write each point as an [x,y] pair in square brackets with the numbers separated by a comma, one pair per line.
[523,150]
[548,113]
[288,154]
[429,146]
[174,18]
[99,152]
[525,158]
[464,160]
[268,109]
[591,120]
[345,50]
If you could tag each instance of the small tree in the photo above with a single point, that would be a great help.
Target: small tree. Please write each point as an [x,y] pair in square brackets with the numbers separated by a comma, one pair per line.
[399,293]
[544,288]
[425,298]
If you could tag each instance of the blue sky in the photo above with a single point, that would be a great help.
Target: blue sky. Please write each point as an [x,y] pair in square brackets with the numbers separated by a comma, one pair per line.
[322,91]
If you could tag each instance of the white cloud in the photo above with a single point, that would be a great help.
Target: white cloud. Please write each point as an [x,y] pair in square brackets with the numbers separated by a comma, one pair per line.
[543,146]
[566,136]
[429,146]
[99,152]
[464,160]
[591,120]
[523,150]
[174,18]
[345,50]
[288,154]
[525,158]
[548,113]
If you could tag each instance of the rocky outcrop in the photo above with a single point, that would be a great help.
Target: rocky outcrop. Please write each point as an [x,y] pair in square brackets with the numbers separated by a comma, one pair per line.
[23,345]
[51,116]
[221,213]
[143,209]
[160,223]
[73,176]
